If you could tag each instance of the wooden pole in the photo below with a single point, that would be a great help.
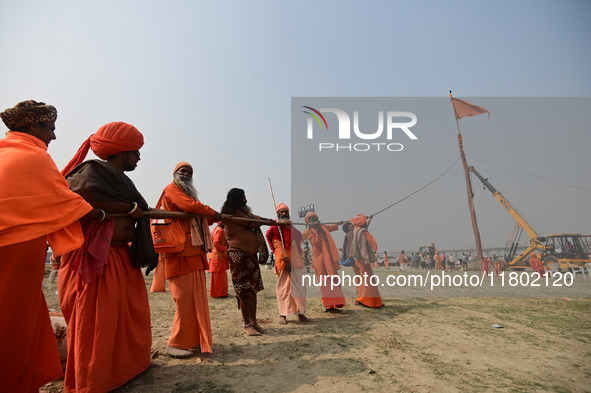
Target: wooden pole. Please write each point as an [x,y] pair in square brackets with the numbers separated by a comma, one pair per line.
[477,240]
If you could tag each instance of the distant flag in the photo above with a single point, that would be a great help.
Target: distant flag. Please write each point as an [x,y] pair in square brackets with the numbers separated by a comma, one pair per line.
[465,109]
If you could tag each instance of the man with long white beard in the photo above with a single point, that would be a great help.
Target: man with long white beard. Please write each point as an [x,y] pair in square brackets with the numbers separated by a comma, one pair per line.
[185,270]
[289,267]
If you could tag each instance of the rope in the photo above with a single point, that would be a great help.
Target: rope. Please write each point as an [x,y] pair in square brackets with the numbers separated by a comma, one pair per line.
[419,190]
[401,200]
[532,175]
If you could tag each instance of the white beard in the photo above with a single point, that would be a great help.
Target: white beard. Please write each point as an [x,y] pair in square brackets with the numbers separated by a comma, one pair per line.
[187,186]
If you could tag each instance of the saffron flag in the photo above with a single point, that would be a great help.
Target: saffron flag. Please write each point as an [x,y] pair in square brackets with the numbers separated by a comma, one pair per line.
[465,109]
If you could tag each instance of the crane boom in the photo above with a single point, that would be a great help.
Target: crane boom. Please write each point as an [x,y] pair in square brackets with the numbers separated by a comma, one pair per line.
[535,239]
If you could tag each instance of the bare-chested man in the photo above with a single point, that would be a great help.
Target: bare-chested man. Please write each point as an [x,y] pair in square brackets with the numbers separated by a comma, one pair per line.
[102,290]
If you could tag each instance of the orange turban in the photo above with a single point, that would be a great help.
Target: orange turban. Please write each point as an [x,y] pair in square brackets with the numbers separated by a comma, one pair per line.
[359,220]
[309,215]
[282,206]
[181,164]
[114,138]
[110,139]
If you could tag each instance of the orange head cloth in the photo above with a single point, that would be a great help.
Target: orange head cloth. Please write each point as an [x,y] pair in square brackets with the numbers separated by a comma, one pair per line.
[359,220]
[181,164]
[310,215]
[283,206]
[533,255]
[110,139]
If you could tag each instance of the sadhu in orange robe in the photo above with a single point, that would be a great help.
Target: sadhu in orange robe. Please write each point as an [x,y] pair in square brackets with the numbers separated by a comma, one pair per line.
[325,261]
[185,272]
[291,294]
[104,300]
[36,207]
[218,264]
[102,289]
[361,245]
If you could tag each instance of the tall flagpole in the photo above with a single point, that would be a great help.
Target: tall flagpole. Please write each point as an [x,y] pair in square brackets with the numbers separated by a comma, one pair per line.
[479,254]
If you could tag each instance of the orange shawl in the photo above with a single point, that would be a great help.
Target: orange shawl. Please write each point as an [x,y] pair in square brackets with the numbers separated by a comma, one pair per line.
[34,198]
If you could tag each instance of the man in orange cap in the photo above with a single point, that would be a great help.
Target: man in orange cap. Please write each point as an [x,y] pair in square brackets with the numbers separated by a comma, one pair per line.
[36,208]
[102,290]
[325,261]
[363,248]
[185,270]
[289,268]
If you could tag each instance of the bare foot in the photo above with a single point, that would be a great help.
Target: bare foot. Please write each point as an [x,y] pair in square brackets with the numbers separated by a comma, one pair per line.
[178,353]
[251,331]
[304,318]
[259,328]
[282,320]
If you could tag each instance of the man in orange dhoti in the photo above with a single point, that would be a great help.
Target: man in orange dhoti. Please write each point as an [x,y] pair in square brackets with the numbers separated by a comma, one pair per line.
[101,287]
[36,207]
[361,245]
[185,270]
[386,260]
[218,263]
[289,268]
[325,261]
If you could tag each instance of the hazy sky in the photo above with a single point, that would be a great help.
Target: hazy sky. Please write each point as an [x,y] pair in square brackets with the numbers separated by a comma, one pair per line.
[211,83]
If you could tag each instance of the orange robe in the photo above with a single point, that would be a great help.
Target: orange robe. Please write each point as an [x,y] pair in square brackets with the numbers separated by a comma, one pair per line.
[218,264]
[108,324]
[325,261]
[537,265]
[386,261]
[438,265]
[105,305]
[367,294]
[291,294]
[159,281]
[185,272]
[36,207]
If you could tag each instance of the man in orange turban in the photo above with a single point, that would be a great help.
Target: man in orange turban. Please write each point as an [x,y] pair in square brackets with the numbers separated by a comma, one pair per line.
[102,290]
[362,247]
[185,270]
[289,267]
[325,260]
[36,208]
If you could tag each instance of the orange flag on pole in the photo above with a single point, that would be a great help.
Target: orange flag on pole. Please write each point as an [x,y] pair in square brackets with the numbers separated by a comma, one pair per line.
[465,109]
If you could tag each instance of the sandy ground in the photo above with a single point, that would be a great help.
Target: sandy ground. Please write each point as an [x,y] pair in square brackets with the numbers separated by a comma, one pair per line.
[420,341]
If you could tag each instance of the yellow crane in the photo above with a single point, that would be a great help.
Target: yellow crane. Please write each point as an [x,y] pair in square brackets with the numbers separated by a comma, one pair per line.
[556,251]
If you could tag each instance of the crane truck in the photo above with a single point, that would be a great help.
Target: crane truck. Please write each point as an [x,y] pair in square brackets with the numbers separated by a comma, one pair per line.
[556,251]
